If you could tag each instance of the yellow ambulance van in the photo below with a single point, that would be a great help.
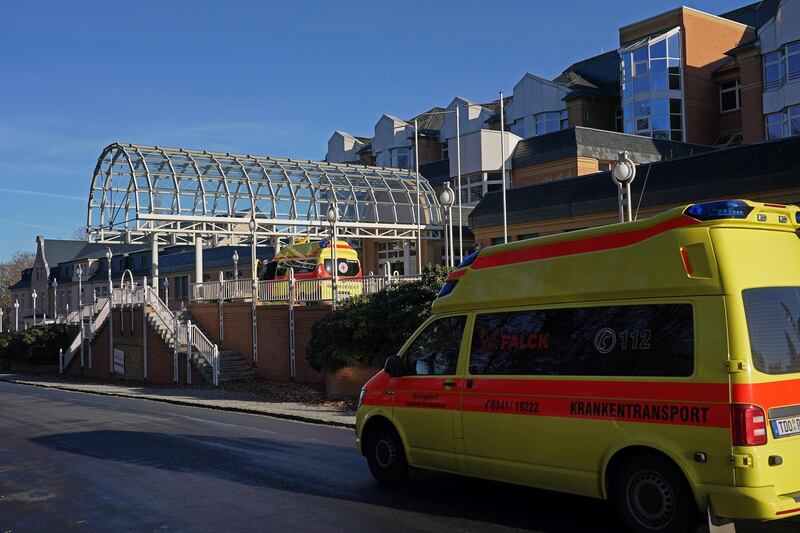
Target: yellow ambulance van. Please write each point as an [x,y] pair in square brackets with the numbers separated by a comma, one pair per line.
[654,363]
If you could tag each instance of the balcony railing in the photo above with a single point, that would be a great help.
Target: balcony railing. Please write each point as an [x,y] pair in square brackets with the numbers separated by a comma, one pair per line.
[293,290]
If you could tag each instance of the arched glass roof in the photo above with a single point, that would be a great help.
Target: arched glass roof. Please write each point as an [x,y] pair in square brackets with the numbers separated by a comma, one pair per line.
[138,190]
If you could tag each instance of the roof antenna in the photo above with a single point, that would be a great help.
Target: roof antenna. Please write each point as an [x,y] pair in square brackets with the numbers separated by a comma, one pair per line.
[641,193]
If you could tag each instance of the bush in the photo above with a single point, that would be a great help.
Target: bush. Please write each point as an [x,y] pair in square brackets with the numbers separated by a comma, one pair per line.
[38,345]
[371,327]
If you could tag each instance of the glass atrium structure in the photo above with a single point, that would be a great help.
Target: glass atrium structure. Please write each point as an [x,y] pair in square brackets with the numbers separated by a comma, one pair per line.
[652,87]
[176,194]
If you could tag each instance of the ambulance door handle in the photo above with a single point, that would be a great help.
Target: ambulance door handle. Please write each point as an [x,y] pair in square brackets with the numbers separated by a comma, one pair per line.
[449,384]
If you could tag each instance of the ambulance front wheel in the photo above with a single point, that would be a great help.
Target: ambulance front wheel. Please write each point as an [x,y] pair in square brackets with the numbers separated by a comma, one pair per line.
[652,495]
[386,457]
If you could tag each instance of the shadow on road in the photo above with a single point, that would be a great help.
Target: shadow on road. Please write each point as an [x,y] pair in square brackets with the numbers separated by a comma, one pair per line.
[337,472]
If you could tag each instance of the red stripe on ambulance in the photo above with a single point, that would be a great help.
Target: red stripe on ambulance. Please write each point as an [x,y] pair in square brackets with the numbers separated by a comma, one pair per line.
[591,244]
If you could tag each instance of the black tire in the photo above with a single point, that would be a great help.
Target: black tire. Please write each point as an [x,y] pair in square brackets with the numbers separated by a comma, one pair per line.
[652,496]
[386,457]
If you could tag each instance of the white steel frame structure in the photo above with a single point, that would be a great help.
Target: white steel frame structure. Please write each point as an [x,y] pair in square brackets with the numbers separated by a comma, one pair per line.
[176,196]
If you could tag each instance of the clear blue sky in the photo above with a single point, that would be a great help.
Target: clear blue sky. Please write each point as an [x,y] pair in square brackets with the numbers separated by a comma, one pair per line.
[271,78]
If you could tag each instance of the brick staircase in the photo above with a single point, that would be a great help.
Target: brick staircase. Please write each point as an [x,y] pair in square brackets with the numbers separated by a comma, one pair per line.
[232,367]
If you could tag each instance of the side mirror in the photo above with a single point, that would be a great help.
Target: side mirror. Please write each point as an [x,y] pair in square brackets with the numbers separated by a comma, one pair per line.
[393,366]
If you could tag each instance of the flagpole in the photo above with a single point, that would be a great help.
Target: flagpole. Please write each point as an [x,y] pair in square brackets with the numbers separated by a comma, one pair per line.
[419,225]
[458,166]
[503,162]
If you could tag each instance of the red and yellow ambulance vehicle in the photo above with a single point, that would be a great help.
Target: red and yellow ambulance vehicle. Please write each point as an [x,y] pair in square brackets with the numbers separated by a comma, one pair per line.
[312,263]
[653,363]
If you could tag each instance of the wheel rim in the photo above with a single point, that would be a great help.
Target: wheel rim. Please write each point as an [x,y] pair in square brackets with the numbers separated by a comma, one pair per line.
[385,452]
[650,499]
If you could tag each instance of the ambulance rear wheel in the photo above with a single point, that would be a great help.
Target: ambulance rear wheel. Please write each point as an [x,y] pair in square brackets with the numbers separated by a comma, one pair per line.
[386,457]
[652,495]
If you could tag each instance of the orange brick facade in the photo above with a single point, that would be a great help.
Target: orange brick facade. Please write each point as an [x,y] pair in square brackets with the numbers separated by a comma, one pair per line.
[274,354]
[130,339]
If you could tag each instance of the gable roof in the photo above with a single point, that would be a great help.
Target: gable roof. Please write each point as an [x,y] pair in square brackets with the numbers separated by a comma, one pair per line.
[431,120]
[580,141]
[756,14]
[60,250]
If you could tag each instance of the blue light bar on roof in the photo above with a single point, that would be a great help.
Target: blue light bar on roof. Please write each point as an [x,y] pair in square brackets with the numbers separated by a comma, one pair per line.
[468,260]
[718,210]
[447,288]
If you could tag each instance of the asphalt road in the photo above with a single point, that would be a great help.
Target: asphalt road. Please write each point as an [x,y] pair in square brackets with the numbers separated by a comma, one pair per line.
[79,462]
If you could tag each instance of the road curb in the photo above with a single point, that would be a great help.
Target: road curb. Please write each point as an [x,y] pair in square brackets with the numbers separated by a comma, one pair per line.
[282,416]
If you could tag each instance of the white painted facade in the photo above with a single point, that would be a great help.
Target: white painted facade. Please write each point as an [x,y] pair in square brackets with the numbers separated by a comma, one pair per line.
[343,148]
[783,29]
[481,152]
[472,118]
[393,142]
[533,96]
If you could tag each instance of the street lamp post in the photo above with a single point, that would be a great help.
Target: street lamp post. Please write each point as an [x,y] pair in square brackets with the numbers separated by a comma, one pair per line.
[446,199]
[235,265]
[165,284]
[34,295]
[332,216]
[16,314]
[254,287]
[79,273]
[109,255]
[623,173]
[55,300]
[1,320]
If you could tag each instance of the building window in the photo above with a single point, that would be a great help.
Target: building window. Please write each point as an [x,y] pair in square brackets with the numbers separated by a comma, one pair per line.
[399,157]
[774,69]
[729,95]
[793,60]
[445,150]
[652,95]
[781,65]
[399,255]
[526,236]
[549,122]
[518,127]
[783,124]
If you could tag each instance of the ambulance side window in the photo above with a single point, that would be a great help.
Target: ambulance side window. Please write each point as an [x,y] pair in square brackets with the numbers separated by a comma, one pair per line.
[435,350]
[624,340]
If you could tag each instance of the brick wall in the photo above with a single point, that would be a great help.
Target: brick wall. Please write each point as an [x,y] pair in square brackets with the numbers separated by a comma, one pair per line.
[751,78]
[591,113]
[130,341]
[207,318]
[305,317]
[273,342]
[238,326]
[706,41]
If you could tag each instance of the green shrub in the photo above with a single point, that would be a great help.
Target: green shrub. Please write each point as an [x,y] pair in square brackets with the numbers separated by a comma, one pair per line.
[38,345]
[371,327]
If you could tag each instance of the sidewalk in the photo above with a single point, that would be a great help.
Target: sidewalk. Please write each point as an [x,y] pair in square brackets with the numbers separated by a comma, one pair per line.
[328,413]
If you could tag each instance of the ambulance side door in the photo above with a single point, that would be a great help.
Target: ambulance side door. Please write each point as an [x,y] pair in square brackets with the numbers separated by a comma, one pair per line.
[428,394]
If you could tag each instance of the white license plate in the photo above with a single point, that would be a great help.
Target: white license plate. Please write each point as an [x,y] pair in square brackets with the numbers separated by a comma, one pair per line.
[784,427]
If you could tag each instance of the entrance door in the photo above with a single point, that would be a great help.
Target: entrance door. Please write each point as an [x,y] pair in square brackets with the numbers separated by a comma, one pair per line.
[428,395]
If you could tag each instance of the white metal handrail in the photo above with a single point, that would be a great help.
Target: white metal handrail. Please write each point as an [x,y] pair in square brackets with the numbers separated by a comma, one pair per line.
[89,329]
[207,349]
[160,309]
[187,334]
[305,290]
[128,296]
